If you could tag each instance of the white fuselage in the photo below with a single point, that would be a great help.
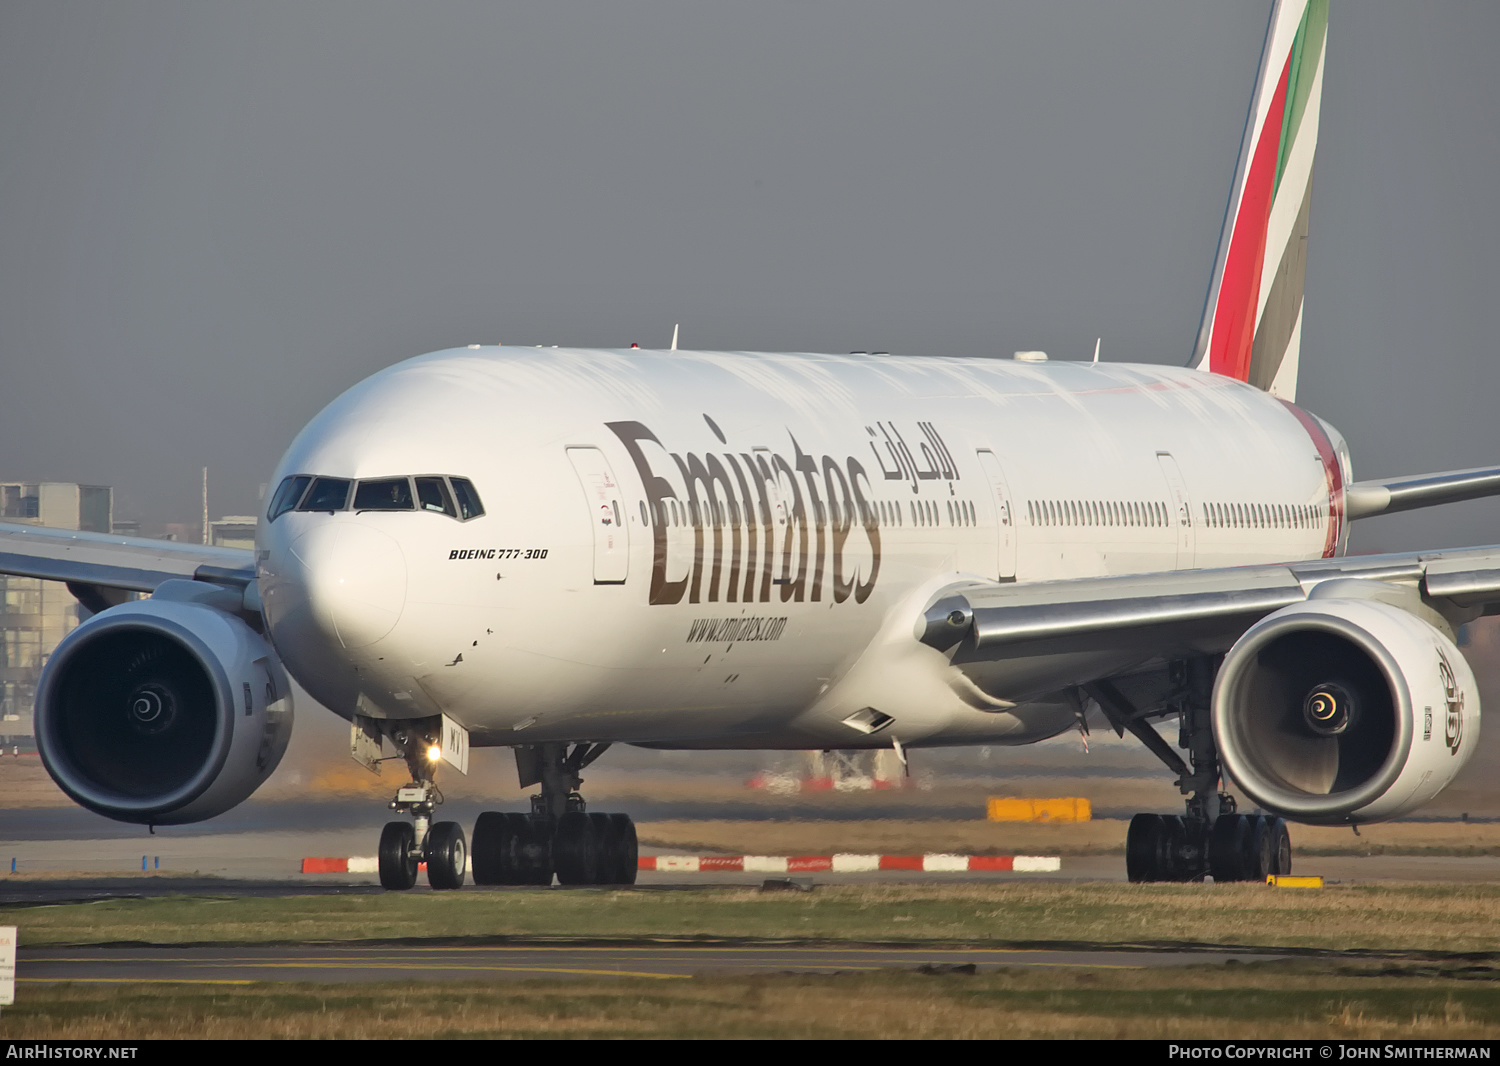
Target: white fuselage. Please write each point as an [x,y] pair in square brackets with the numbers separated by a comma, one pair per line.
[731,549]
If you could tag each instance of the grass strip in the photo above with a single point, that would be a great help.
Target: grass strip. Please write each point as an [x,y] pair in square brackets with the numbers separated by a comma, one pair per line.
[1438,918]
[1298,1000]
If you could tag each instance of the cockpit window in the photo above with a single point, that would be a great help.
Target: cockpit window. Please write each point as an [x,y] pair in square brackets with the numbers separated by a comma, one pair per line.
[387,494]
[468,500]
[327,494]
[433,495]
[287,494]
[454,497]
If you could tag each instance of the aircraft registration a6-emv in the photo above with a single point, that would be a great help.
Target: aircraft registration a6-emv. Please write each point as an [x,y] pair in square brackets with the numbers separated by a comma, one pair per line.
[558,550]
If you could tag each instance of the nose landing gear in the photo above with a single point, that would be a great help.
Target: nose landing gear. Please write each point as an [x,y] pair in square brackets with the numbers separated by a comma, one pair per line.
[404,845]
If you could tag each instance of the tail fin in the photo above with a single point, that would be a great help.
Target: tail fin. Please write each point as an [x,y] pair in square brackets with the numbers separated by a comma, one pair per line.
[1252,317]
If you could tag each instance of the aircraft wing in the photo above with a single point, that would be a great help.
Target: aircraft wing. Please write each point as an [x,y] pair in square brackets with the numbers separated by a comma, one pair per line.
[99,567]
[1179,612]
[1363,499]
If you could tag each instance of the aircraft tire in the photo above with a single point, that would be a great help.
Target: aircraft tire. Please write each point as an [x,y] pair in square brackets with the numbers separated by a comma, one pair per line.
[1174,837]
[503,850]
[488,848]
[607,835]
[534,861]
[1144,844]
[1257,848]
[1281,846]
[575,850]
[627,850]
[398,856]
[1225,862]
[447,855]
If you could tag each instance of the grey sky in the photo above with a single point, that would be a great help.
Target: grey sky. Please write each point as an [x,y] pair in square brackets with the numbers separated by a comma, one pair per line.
[214,217]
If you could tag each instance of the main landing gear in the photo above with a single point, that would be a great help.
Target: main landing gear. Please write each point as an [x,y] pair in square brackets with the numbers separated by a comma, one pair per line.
[403,845]
[1238,847]
[560,836]
[1211,839]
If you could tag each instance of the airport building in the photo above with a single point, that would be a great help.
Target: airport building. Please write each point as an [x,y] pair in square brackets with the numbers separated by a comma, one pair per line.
[233,531]
[35,615]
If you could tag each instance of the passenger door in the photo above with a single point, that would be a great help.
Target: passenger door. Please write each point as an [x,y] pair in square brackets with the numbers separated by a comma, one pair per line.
[606,503]
[1005,523]
[1182,512]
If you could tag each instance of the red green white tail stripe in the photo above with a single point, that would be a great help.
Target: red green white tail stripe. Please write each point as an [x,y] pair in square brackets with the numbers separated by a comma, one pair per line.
[1252,318]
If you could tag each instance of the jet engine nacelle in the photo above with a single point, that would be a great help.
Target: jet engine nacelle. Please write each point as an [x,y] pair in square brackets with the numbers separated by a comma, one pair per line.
[162,712]
[1339,711]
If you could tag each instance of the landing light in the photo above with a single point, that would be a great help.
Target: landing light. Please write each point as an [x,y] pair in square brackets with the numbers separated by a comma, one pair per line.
[434,753]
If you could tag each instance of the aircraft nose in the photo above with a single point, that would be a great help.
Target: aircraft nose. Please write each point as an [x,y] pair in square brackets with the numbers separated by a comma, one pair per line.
[354,578]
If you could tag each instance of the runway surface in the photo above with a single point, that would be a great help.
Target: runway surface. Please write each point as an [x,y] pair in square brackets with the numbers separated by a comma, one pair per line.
[69,853]
[263,858]
[341,964]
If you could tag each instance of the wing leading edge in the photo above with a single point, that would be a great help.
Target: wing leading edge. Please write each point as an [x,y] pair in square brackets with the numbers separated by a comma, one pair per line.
[1181,612]
[99,566]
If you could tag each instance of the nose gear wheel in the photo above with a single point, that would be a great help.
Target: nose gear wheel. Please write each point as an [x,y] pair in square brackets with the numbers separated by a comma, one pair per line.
[398,856]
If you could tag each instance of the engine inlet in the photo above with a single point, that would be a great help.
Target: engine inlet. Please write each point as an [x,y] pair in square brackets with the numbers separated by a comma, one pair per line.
[1329,709]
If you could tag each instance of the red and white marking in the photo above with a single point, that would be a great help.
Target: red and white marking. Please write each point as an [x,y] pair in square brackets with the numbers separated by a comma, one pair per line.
[354,864]
[848,864]
[773,864]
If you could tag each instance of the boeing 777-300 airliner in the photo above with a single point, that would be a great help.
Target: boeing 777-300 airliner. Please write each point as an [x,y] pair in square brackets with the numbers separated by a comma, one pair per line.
[558,550]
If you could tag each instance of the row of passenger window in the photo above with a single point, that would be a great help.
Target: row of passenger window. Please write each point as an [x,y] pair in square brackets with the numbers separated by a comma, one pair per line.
[1096,512]
[1263,516]
[1152,513]
[452,496]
